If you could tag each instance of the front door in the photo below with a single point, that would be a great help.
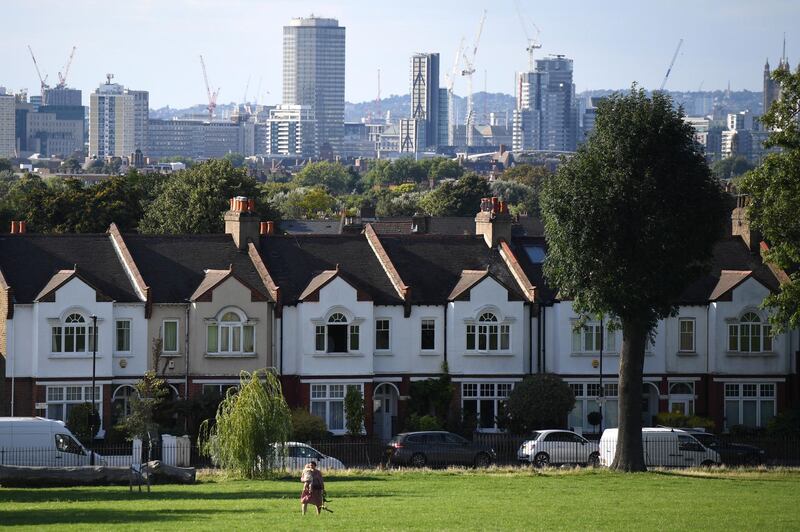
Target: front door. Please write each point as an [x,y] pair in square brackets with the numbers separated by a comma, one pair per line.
[384,410]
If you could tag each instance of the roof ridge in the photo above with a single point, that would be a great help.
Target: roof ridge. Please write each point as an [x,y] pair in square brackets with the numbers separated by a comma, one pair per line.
[386,263]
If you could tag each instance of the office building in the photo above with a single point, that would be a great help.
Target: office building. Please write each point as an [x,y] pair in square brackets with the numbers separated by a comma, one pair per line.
[118,120]
[546,114]
[62,96]
[425,99]
[55,130]
[291,130]
[313,74]
[8,124]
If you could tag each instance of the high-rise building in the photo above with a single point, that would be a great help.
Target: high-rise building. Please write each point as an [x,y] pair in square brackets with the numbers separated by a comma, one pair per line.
[425,102]
[444,117]
[8,125]
[291,131]
[313,74]
[62,96]
[118,121]
[546,113]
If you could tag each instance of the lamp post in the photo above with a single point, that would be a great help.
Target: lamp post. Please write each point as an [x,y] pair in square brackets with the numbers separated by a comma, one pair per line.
[92,416]
[601,399]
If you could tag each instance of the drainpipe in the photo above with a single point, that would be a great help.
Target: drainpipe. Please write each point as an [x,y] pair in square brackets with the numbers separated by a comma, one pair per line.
[530,335]
[543,316]
[445,332]
[186,365]
[280,349]
[13,352]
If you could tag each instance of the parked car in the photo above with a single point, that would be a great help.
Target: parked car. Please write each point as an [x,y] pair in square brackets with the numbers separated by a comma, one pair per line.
[36,441]
[663,447]
[299,454]
[437,448]
[731,453]
[546,447]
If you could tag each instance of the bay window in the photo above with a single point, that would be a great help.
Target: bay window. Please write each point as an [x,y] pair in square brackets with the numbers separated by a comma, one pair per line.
[485,401]
[231,334]
[749,404]
[73,335]
[327,402]
[337,335]
[749,335]
[62,399]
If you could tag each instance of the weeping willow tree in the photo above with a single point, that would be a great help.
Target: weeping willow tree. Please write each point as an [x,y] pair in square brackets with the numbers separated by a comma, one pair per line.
[250,427]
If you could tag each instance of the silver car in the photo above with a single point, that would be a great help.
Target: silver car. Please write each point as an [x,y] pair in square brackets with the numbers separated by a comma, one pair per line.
[548,447]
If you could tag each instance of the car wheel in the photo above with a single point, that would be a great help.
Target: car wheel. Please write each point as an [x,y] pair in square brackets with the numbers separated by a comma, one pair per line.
[483,460]
[541,460]
[419,460]
[594,460]
[707,463]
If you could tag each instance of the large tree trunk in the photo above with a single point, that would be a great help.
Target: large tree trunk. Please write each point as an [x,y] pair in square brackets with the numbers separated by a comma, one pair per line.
[629,455]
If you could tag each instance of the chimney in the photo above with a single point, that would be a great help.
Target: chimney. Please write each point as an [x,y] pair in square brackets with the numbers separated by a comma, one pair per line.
[14,227]
[493,221]
[22,226]
[419,223]
[242,223]
[740,225]
[267,228]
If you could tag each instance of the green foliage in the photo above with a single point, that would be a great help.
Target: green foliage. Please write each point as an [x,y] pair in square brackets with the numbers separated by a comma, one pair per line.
[193,200]
[731,167]
[404,204]
[353,411]
[5,165]
[307,427]
[334,177]
[527,174]
[78,422]
[303,202]
[416,422]
[674,419]
[786,424]
[236,159]
[250,427]
[540,401]
[407,170]
[456,198]
[632,218]
[151,390]
[432,397]
[774,199]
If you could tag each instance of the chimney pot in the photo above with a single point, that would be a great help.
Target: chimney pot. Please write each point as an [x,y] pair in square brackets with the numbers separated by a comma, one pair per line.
[21,226]
[232,200]
[13,227]
[251,205]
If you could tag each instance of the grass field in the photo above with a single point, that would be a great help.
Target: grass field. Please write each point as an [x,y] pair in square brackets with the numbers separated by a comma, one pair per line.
[452,499]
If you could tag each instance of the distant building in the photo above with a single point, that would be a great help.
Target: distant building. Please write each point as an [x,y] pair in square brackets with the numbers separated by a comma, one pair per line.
[546,113]
[118,121]
[291,130]
[357,141]
[175,138]
[7,124]
[314,72]
[425,102]
[410,132]
[444,117]
[62,96]
[56,130]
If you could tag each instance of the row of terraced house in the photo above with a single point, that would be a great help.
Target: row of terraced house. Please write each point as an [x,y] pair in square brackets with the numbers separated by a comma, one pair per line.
[375,304]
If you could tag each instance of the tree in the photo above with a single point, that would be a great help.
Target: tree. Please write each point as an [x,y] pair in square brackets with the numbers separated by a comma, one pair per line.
[354,411]
[236,159]
[250,427]
[518,196]
[5,165]
[78,422]
[540,401]
[731,167]
[526,174]
[193,200]
[333,176]
[631,220]
[456,198]
[773,190]
[151,390]
[303,202]
[441,168]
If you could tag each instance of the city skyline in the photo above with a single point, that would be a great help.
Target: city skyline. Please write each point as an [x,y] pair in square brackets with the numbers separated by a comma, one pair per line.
[154,46]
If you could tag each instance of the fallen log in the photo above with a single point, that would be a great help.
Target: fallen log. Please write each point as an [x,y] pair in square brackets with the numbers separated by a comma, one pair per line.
[161,473]
[32,477]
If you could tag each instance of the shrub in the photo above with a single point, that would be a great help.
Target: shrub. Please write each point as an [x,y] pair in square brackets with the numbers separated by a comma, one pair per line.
[78,422]
[541,401]
[674,419]
[786,424]
[307,427]
[432,397]
[354,410]
[416,422]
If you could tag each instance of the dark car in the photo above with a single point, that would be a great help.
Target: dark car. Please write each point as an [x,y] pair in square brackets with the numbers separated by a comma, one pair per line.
[731,453]
[437,448]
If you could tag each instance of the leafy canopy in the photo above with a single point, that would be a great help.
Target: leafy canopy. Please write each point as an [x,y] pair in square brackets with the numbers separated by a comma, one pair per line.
[774,198]
[632,218]
[540,401]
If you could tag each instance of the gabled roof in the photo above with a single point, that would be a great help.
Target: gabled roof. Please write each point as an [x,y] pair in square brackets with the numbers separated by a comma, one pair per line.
[295,261]
[29,262]
[59,279]
[175,266]
[468,279]
[214,278]
[317,282]
[728,280]
[432,265]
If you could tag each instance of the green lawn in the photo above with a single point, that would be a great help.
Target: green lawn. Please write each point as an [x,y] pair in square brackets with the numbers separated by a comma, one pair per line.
[452,499]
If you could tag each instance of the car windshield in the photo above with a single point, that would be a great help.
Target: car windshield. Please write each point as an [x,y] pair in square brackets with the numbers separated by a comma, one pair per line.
[535,435]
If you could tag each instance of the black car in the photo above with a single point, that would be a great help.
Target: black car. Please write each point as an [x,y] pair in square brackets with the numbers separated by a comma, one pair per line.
[731,453]
[437,448]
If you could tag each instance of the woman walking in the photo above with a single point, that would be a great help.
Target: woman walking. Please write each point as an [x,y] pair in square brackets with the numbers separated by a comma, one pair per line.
[313,486]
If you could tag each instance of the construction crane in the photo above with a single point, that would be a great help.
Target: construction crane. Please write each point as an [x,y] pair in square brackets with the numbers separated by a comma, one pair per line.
[62,78]
[212,95]
[671,64]
[468,71]
[42,80]
[450,79]
[533,42]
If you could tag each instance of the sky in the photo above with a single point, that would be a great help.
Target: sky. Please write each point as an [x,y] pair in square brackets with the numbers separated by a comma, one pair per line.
[154,44]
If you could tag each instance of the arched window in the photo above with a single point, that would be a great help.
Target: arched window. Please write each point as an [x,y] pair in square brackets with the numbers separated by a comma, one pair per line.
[121,403]
[72,335]
[338,335]
[680,388]
[488,335]
[750,335]
[231,334]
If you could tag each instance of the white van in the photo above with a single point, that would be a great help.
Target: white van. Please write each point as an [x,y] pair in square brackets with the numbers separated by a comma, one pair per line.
[663,447]
[36,441]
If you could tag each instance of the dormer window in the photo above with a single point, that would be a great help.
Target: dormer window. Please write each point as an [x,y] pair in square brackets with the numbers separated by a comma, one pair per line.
[231,334]
[749,335]
[72,335]
[337,335]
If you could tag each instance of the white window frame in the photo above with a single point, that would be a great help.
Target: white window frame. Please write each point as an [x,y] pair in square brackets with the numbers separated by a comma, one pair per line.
[352,328]
[220,388]
[422,323]
[68,396]
[117,322]
[177,349]
[229,328]
[324,395]
[681,332]
[742,392]
[59,330]
[587,395]
[126,408]
[579,345]
[687,399]
[489,325]
[388,334]
[485,391]
[737,328]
